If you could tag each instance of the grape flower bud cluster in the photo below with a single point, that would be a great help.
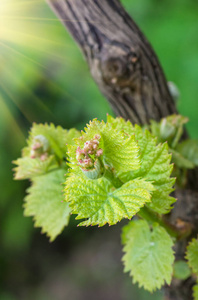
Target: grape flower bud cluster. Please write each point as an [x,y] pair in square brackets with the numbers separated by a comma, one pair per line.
[88,155]
[40,148]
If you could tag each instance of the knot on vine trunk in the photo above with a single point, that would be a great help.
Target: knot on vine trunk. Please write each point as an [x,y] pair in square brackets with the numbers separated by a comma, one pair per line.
[114,68]
[120,70]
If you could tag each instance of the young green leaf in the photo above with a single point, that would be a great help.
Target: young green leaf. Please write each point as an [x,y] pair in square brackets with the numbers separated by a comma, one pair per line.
[148,254]
[119,150]
[45,151]
[155,160]
[155,130]
[180,161]
[169,129]
[28,167]
[56,136]
[156,167]
[181,270]
[189,150]
[101,203]
[192,255]
[121,125]
[43,202]
[195,292]
[155,164]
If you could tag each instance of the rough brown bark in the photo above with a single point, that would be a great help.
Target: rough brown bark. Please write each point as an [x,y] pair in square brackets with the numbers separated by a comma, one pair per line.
[128,73]
[120,58]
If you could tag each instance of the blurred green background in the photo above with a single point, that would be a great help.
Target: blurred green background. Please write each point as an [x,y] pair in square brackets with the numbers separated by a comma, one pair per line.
[43,78]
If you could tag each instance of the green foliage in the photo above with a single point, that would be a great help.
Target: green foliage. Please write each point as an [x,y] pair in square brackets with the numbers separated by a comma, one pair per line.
[170,129]
[120,124]
[195,292]
[192,255]
[45,150]
[114,170]
[189,150]
[120,150]
[43,162]
[181,270]
[56,136]
[14,69]
[180,161]
[28,167]
[101,203]
[148,254]
[155,165]
[45,203]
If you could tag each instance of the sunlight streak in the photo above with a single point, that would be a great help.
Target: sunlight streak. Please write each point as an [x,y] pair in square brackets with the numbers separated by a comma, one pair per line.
[27,46]
[16,130]
[21,54]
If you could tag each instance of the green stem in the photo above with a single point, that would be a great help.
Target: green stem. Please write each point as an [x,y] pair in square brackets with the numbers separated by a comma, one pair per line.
[150,216]
[177,137]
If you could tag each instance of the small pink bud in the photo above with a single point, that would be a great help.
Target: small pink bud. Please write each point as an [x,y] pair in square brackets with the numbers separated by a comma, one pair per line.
[97,136]
[43,156]
[99,152]
[32,154]
[88,162]
[79,150]
[95,142]
[80,156]
[36,146]
[80,153]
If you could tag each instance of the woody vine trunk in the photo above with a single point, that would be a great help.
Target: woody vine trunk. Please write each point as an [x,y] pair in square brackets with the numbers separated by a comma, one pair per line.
[128,73]
[120,59]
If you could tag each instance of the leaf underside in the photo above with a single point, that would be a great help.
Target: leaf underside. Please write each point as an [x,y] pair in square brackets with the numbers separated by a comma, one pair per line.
[28,167]
[192,255]
[45,203]
[148,254]
[180,161]
[189,150]
[195,292]
[181,270]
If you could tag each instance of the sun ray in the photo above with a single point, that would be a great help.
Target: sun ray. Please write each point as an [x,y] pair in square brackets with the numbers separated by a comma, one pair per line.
[33,19]
[23,3]
[19,37]
[27,46]
[15,101]
[6,113]
[28,92]
[34,72]
[21,54]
